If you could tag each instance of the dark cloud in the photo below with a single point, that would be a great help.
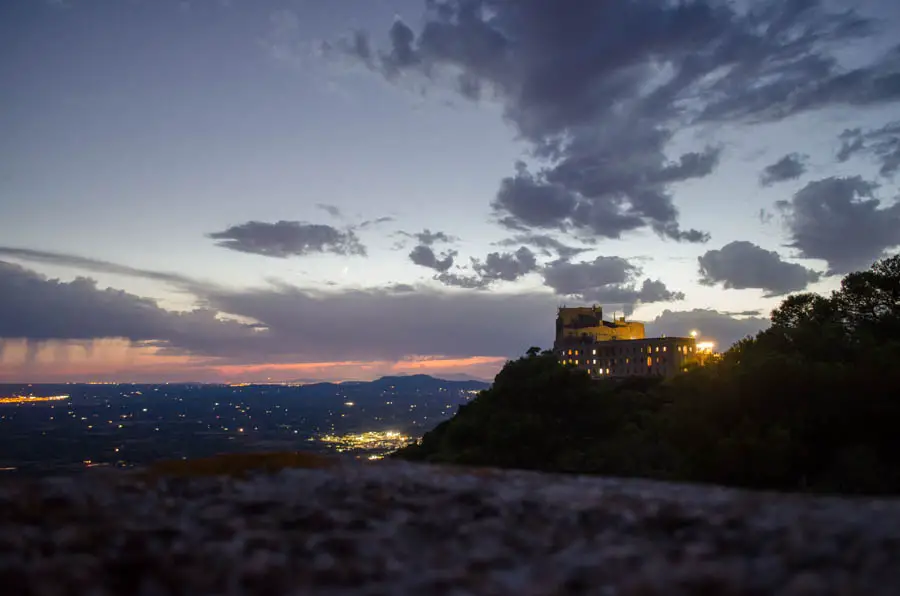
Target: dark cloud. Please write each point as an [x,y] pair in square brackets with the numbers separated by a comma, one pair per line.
[611,281]
[789,167]
[374,222]
[548,245]
[713,325]
[508,266]
[740,265]
[496,266]
[883,144]
[330,210]
[463,280]
[840,221]
[765,216]
[95,265]
[424,256]
[742,313]
[34,307]
[600,108]
[291,324]
[288,238]
[428,238]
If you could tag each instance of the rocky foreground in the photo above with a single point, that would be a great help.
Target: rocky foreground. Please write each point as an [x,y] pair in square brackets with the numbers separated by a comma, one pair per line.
[395,528]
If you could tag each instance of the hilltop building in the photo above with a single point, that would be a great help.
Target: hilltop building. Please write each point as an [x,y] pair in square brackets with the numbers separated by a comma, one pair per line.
[618,348]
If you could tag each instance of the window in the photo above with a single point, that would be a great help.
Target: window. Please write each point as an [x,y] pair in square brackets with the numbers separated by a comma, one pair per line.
[649,361]
[576,352]
[595,353]
[664,348]
[570,352]
[627,360]
[607,371]
[576,363]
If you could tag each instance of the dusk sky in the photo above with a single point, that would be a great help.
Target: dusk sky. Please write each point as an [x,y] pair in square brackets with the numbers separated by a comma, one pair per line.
[241,190]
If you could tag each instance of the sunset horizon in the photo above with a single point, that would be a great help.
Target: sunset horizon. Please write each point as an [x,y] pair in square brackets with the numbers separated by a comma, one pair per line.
[231,191]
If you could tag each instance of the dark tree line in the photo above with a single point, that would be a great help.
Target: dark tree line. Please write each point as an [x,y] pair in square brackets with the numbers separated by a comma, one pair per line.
[812,404]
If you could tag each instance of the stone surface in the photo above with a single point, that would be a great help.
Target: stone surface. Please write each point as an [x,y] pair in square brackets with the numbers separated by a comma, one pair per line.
[396,528]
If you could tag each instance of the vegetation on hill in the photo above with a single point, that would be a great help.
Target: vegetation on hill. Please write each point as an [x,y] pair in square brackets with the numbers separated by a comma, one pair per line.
[812,403]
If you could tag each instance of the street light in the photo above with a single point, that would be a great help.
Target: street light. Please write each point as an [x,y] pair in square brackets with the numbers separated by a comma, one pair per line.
[694,334]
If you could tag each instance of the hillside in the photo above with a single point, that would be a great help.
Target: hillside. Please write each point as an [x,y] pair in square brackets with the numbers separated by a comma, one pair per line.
[810,404]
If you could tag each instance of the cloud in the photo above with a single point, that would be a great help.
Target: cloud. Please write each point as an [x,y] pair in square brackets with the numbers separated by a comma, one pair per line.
[95,265]
[424,256]
[840,221]
[713,325]
[548,245]
[600,108]
[611,281]
[289,238]
[508,266]
[883,144]
[323,326]
[496,266]
[331,210]
[462,280]
[37,308]
[428,238]
[740,265]
[789,167]
[288,324]
[369,223]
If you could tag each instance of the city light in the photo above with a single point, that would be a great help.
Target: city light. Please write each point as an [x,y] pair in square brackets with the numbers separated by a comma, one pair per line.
[694,334]
[706,346]
[383,441]
[31,399]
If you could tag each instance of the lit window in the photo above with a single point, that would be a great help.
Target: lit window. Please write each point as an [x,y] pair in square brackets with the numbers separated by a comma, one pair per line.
[595,360]
[576,363]
[570,352]
[628,361]
[649,361]
[657,348]
[664,348]
[607,371]
[595,352]
[576,352]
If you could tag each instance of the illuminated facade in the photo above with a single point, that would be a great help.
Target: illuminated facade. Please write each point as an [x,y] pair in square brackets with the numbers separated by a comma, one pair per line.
[586,323]
[618,348]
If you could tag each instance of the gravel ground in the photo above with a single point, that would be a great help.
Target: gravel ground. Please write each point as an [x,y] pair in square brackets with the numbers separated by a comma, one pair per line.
[396,528]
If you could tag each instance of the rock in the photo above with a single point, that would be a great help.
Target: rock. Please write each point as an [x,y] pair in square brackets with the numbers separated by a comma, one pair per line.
[400,528]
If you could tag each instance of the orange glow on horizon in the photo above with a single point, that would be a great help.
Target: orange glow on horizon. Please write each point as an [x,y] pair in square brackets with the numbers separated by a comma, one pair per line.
[120,361]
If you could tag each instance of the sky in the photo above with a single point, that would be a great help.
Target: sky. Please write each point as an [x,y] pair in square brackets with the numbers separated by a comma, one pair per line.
[237,190]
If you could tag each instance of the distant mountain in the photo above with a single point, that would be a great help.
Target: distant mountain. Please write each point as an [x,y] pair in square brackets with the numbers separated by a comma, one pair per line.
[464,377]
[406,383]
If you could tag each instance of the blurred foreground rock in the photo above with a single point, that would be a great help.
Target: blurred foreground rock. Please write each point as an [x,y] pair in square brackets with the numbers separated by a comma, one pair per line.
[396,528]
